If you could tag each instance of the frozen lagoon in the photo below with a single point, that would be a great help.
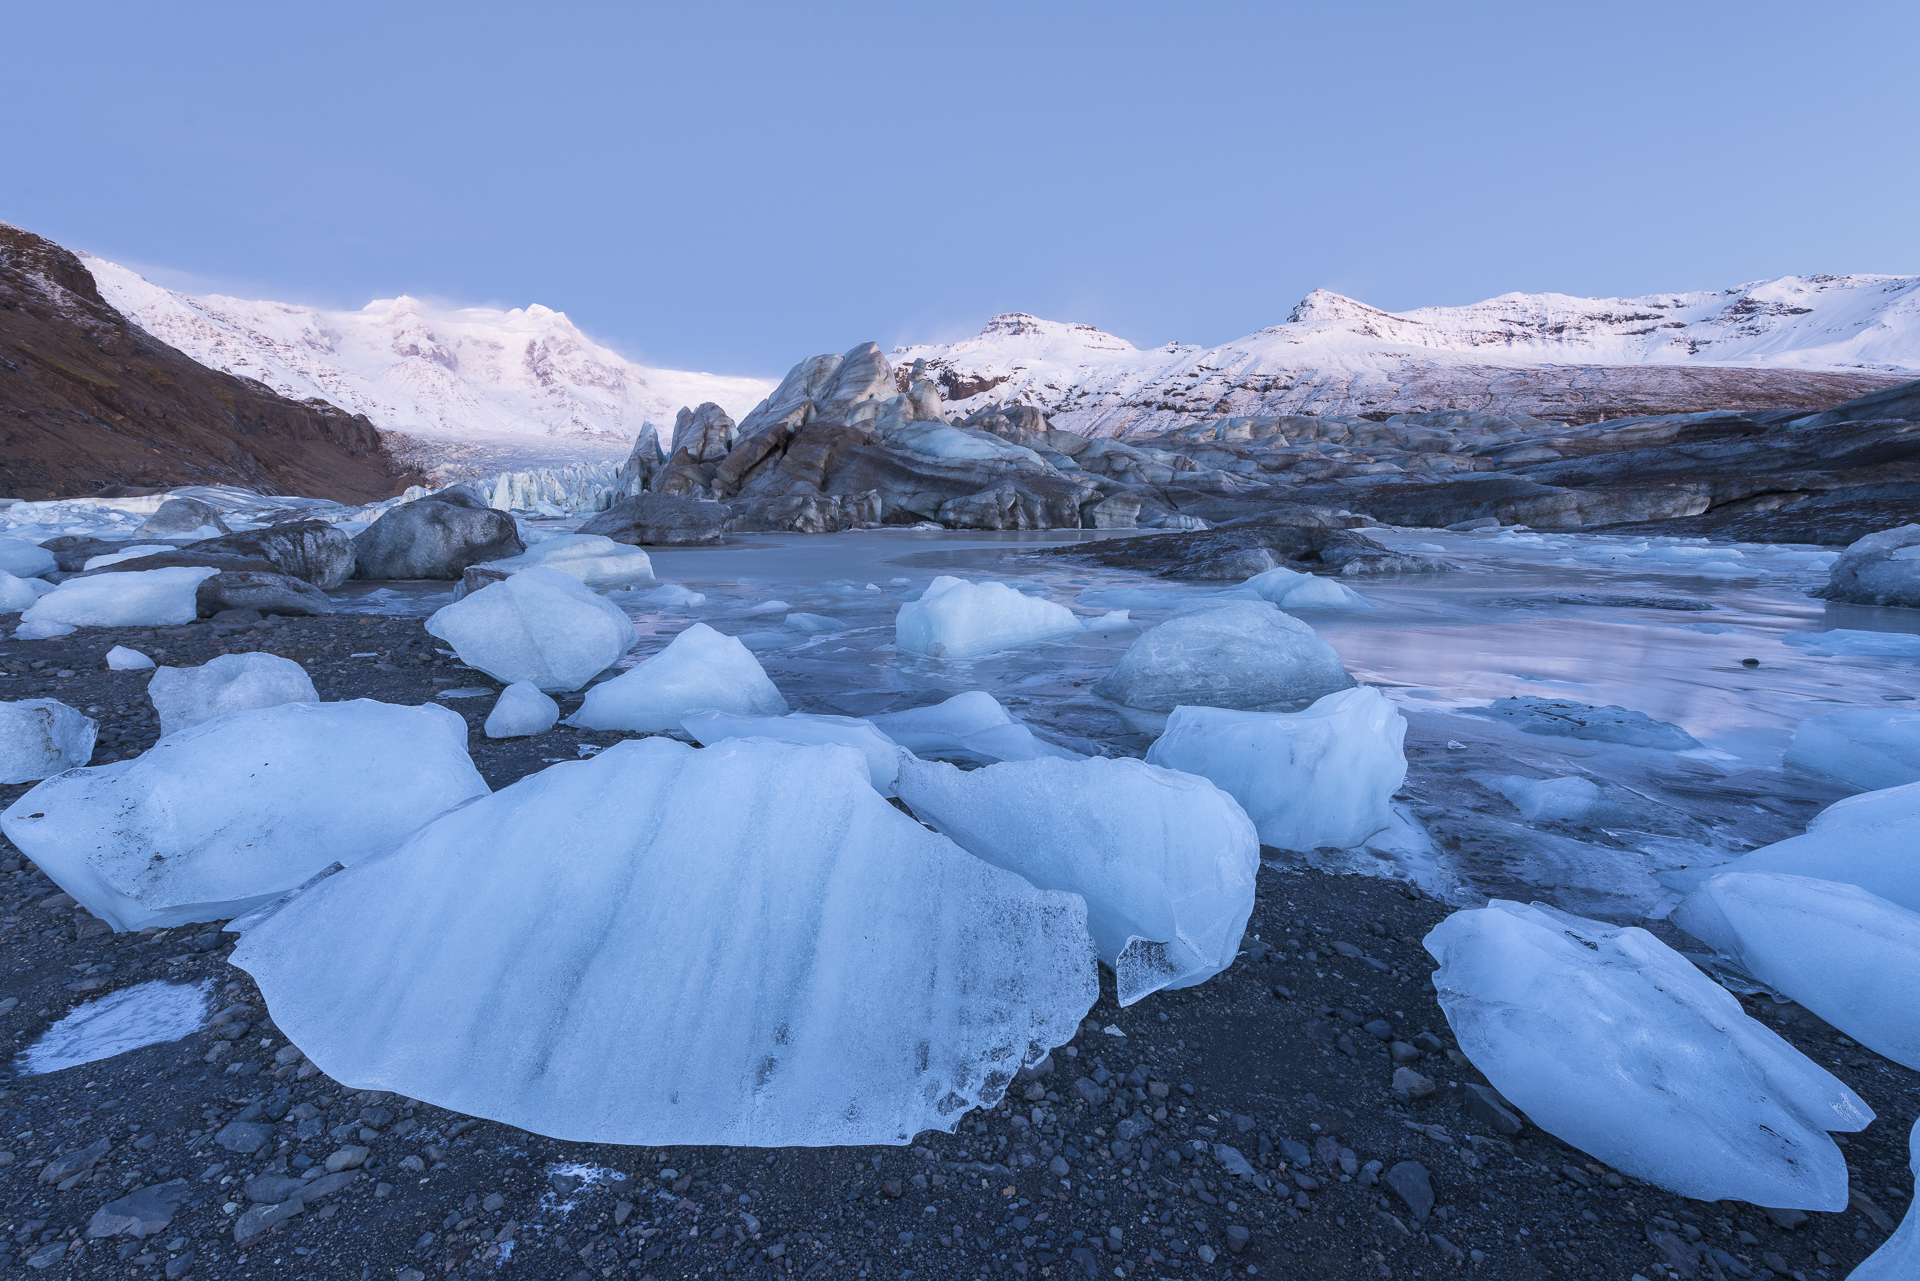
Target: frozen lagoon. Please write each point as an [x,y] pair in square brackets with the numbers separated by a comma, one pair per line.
[1660,627]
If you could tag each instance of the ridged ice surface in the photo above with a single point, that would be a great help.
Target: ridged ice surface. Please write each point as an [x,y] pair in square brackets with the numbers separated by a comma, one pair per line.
[1611,1041]
[1166,861]
[220,818]
[742,944]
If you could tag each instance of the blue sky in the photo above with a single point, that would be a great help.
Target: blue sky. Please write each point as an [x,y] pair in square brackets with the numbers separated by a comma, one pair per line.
[734,186]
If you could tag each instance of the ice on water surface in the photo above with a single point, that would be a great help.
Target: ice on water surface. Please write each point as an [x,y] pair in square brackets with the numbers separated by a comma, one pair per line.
[882,753]
[1553,800]
[137,598]
[1290,589]
[957,619]
[1866,747]
[1614,1043]
[1225,653]
[541,625]
[145,1014]
[217,819]
[836,973]
[1320,777]
[1166,861]
[968,727]
[1849,956]
[699,670]
[40,737]
[186,696]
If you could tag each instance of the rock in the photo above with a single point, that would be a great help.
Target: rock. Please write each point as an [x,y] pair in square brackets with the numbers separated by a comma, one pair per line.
[1238,1238]
[807,513]
[346,1158]
[1058,1167]
[312,551]
[1025,502]
[1410,1182]
[1401,1052]
[182,516]
[264,592]
[140,1214]
[1486,1105]
[435,537]
[1880,569]
[660,520]
[62,1168]
[1784,1217]
[243,1137]
[182,1264]
[272,1189]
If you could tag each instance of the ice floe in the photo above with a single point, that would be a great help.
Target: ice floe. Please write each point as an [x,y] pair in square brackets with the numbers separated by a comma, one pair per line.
[541,625]
[956,619]
[699,670]
[968,727]
[153,1013]
[1865,747]
[186,696]
[882,753]
[136,598]
[1225,653]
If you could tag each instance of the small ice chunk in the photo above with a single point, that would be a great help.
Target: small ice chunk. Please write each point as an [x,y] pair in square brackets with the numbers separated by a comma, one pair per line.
[742,945]
[1898,1258]
[186,696]
[520,711]
[700,670]
[1842,642]
[1229,653]
[122,659]
[588,558]
[1849,956]
[40,737]
[674,596]
[1323,777]
[814,623]
[1551,800]
[881,752]
[967,727]
[15,594]
[152,1013]
[957,619]
[1615,1044]
[770,607]
[1114,620]
[541,625]
[23,559]
[1868,748]
[1867,840]
[1165,861]
[220,818]
[1290,589]
[126,553]
[136,598]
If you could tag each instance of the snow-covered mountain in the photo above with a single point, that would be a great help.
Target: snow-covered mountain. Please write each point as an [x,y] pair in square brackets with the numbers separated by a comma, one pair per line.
[1823,338]
[523,382]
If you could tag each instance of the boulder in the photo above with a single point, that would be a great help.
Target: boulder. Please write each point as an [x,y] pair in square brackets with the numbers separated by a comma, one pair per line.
[310,550]
[807,513]
[263,591]
[182,516]
[435,537]
[1880,569]
[659,520]
[1023,501]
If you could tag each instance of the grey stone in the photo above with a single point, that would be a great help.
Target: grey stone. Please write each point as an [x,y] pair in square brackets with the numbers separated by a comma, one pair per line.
[347,1158]
[1295,1152]
[1786,1218]
[1091,1094]
[259,591]
[1428,1043]
[140,1214]
[1878,570]
[1401,1052]
[1238,1238]
[311,550]
[435,537]
[1058,1167]
[1233,1162]
[47,1255]
[1378,1029]
[179,1266]
[1489,1107]
[62,1168]
[1411,1183]
[243,1136]
[272,1189]
[1411,1083]
[661,520]
[182,516]
[1133,1127]
[264,1218]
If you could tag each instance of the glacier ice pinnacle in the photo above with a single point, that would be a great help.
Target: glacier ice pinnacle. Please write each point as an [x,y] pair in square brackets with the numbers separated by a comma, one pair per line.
[619,950]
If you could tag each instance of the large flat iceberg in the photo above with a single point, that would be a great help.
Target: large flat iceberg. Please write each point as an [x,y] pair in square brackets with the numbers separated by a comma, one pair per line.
[137,598]
[1849,956]
[540,625]
[700,670]
[1166,861]
[1225,653]
[1311,779]
[1614,1043]
[220,818]
[742,944]
[957,619]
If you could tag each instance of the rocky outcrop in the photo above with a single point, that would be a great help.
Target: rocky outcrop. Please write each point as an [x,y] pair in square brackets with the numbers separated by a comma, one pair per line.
[1881,569]
[310,551]
[702,439]
[660,520]
[435,537]
[89,400]
[806,513]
